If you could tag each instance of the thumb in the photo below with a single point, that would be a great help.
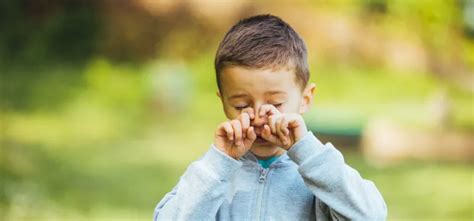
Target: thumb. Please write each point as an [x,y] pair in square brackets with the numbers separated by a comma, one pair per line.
[267,134]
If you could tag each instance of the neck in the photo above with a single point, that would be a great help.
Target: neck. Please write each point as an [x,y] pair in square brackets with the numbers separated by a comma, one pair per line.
[265,152]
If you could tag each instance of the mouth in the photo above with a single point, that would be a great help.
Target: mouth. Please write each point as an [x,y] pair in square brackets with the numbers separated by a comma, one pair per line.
[260,140]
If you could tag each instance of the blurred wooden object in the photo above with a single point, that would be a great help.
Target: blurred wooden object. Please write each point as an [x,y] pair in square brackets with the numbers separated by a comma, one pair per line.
[386,142]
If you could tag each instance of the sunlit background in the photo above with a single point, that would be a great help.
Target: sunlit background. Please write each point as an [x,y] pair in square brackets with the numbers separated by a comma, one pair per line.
[105,103]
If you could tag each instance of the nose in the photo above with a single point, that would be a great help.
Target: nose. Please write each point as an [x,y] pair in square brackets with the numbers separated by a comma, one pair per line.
[259,121]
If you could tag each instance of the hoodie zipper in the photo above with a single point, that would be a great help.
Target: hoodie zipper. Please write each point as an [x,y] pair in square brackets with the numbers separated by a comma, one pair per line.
[263,175]
[261,179]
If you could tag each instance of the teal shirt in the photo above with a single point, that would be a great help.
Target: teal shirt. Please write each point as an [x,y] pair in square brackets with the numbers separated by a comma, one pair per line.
[266,163]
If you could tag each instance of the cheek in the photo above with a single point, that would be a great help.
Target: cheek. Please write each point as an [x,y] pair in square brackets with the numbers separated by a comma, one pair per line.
[292,106]
[234,114]
[230,112]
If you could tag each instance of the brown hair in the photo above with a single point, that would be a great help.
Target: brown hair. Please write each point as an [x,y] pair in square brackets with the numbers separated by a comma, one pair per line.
[263,41]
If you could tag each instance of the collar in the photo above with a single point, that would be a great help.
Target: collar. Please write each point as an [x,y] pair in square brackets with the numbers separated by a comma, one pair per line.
[282,160]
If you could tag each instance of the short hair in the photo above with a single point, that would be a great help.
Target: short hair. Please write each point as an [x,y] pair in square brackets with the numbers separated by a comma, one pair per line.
[263,41]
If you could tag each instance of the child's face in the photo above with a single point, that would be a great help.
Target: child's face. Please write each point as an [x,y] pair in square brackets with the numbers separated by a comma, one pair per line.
[243,88]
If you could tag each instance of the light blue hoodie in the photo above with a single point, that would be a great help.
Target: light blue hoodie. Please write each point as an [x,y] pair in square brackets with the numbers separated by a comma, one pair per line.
[310,181]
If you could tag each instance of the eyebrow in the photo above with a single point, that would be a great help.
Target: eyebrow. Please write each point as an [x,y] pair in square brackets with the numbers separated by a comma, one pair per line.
[274,92]
[235,96]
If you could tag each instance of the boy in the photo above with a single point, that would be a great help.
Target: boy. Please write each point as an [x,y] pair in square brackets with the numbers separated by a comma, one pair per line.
[264,164]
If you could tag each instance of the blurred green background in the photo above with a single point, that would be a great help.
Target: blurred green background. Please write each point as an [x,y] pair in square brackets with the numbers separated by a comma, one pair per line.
[105,103]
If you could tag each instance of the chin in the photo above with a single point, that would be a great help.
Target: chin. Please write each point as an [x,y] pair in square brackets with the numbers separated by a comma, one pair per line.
[263,146]
[266,151]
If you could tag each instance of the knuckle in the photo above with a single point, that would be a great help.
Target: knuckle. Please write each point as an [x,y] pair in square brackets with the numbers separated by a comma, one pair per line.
[222,126]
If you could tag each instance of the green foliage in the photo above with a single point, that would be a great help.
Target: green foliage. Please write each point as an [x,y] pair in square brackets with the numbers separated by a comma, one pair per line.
[36,33]
[84,137]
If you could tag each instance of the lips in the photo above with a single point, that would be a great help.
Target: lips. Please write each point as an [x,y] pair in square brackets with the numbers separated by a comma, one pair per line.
[260,140]
[258,131]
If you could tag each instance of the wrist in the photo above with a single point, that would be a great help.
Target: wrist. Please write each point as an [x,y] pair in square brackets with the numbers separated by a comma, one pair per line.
[300,132]
[226,152]
[308,146]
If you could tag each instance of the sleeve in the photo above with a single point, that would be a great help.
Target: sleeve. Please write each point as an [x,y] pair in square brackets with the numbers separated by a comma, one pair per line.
[200,190]
[341,193]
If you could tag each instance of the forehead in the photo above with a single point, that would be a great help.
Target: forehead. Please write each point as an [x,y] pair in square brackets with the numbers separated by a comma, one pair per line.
[236,79]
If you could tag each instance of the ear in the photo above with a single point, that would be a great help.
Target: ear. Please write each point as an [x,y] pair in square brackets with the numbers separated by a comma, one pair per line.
[307,99]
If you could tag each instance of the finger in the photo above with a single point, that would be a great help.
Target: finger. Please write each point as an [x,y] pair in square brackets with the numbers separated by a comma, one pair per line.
[267,135]
[277,125]
[251,136]
[268,109]
[272,121]
[294,120]
[281,135]
[266,132]
[245,121]
[284,126]
[250,111]
[237,132]
[227,128]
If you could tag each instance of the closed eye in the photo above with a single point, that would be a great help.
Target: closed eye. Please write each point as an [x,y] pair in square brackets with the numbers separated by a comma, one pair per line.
[241,107]
[277,105]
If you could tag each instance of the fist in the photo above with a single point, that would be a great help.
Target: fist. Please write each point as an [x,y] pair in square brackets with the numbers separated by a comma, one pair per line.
[282,129]
[235,137]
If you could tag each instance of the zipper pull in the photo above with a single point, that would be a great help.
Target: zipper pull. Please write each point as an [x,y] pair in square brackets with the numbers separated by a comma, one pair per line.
[263,173]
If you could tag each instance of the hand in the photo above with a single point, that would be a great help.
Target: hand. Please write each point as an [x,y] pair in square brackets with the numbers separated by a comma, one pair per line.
[235,137]
[282,129]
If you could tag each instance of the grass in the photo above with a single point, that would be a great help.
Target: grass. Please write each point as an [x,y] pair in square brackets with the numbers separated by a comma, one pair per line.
[101,155]
[125,179]
[422,190]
